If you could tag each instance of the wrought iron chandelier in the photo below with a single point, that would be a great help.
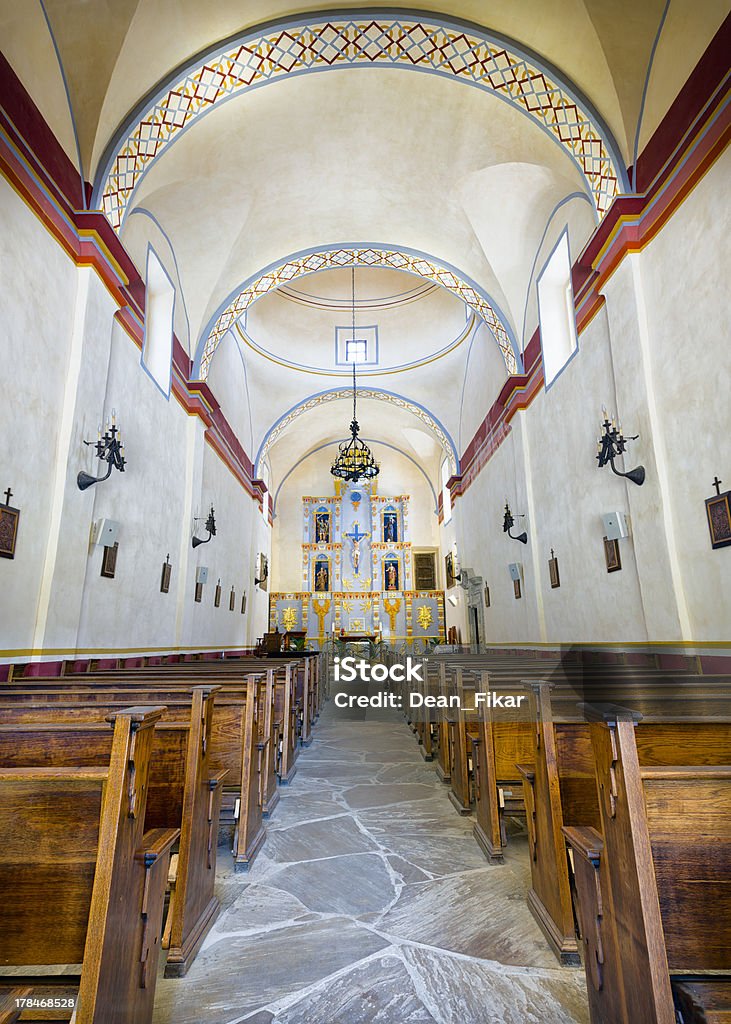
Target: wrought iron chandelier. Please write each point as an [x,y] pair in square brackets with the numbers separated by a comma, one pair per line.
[354,460]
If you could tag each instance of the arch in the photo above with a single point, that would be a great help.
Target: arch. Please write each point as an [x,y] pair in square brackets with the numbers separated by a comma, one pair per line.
[372,255]
[419,41]
[369,440]
[377,394]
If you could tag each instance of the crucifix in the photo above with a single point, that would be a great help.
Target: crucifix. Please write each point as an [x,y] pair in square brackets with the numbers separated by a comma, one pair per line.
[717,484]
[8,496]
[355,538]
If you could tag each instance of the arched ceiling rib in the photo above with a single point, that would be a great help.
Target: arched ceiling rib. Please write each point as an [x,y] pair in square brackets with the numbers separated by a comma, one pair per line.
[435,46]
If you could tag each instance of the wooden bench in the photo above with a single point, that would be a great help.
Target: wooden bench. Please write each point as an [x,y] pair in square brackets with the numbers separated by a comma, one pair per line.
[654,887]
[183,792]
[84,883]
[236,744]
[560,786]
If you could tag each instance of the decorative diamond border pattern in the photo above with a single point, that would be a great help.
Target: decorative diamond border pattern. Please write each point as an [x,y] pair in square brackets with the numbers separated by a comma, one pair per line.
[367,257]
[401,42]
[346,393]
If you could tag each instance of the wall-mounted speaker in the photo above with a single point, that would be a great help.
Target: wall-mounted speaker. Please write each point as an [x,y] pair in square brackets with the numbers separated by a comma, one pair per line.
[615,525]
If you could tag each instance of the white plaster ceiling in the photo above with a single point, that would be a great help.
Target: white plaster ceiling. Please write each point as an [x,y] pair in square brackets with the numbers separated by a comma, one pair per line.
[114,51]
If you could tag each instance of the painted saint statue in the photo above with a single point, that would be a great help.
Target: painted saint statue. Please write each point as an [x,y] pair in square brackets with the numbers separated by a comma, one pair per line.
[322,528]
[391,576]
[321,577]
[390,527]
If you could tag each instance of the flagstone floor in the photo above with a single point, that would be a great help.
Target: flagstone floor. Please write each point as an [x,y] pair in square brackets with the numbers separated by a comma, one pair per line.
[371,903]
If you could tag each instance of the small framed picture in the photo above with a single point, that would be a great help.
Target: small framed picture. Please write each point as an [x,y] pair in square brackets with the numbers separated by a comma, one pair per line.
[516,590]
[487,596]
[718,511]
[167,570]
[9,518]
[199,592]
[232,600]
[611,554]
[217,595]
[243,604]
[553,572]
[109,561]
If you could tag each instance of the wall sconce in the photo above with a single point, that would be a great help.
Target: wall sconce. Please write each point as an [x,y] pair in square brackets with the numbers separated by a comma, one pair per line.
[509,523]
[210,526]
[611,444]
[110,450]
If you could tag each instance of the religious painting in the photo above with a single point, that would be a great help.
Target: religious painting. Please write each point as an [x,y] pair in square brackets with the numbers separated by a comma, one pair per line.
[167,570]
[198,592]
[321,575]
[553,571]
[9,518]
[217,596]
[390,527]
[232,600]
[243,604]
[391,574]
[109,561]
[718,511]
[487,596]
[611,554]
[449,570]
[263,571]
[322,527]
[516,590]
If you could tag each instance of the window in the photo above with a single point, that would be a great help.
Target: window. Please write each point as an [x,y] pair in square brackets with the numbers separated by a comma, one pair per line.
[157,350]
[446,496]
[356,351]
[363,348]
[556,310]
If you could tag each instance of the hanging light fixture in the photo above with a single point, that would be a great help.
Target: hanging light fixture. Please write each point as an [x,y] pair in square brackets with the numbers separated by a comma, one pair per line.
[354,460]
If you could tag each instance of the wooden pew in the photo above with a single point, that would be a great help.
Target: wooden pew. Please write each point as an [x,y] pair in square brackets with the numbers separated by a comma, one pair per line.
[653,887]
[236,745]
[83,881]
[183,793]
[560,787]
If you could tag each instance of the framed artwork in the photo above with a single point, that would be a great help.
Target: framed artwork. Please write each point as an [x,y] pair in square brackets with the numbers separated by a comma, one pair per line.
[217,596]
[167,570]
[243,604]
[263,573]
[487,596]
[9,518]
[718,511]
[553,571]
[109,561]
[199,592]
[611,554]
[232,600]
[449,570]
[516,590]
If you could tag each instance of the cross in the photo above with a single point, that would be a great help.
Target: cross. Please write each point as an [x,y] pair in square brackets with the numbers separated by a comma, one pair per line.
[8,496]
[717,485]
[356,535]
[552,554]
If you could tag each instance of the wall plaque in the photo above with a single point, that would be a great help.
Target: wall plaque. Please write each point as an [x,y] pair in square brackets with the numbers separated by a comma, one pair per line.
[718,510]
[9,519]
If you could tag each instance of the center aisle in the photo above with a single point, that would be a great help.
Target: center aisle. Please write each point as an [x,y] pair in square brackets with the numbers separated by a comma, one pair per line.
[371,903]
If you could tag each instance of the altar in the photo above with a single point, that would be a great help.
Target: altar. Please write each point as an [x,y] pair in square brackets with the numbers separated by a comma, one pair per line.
[357,572]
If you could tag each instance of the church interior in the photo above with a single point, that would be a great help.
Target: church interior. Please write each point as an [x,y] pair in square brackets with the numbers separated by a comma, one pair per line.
[393,334]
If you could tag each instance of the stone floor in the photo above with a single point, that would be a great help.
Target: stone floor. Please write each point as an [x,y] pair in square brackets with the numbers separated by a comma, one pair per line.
[371,903]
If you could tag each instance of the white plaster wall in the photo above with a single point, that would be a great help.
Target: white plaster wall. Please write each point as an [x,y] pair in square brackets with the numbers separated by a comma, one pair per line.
[228,379]
[685,277]
[312,477]
[36,312]
[657,353]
